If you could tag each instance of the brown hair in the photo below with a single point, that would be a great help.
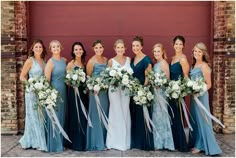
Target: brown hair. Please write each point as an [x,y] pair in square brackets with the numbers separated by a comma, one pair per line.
[31,52]
[162,49]
[139,39]
[97,42]
[205,56]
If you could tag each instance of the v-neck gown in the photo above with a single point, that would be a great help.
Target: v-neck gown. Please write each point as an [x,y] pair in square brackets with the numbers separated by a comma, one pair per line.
[202,137]
[141,138]
[34,134]
[176,124]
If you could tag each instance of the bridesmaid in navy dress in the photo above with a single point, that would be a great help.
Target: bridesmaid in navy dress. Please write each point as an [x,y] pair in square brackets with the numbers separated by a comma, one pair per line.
[76,128]
[55,72]
[141,64]
[202,137]
[96,135]
[179,68]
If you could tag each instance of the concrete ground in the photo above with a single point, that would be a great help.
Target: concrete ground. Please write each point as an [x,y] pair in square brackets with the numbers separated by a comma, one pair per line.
[11,148]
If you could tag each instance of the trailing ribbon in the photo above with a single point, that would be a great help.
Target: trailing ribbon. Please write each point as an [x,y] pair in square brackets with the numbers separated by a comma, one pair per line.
[148,119]
[200,105]
[185,113]
[76,90]
[163,103]
[53,117]
[102,116]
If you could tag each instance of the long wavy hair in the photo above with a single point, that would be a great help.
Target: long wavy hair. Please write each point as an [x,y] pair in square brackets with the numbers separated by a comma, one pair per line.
[203,48]
[31,52]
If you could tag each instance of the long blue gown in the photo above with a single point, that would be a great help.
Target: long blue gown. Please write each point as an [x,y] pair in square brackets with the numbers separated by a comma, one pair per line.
[176,126]
[34,134]
[96,136]
[141,138]
[202,137]
[163,135]
[76,129]
[55,144]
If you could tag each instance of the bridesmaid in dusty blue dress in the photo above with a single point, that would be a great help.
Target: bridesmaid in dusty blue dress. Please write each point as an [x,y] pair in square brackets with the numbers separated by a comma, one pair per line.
[55,72]
[179,68]
[34,134]
[96,135]
[141,64]
[76,128]
[202,137]
[163,135]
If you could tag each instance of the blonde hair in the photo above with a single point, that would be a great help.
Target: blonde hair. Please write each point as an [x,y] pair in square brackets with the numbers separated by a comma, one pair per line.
[119,41]
[55,41]
[203,48]
[162,49]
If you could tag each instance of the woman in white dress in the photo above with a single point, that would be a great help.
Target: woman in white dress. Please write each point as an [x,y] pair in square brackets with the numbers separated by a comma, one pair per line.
[118,135]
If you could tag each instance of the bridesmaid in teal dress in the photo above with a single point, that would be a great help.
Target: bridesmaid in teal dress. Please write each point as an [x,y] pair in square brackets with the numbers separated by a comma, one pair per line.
[141,64]
[96,135]
[55,72]
[202,137]
[34,134]
[179,68]
[76,128]
[163,135]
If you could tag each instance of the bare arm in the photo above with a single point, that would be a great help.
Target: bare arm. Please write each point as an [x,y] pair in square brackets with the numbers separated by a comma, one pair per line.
[148,69]
[110,63]
[185,66]
[48,70]
[69,66]
[89,67]
[206,71]
[165,69]
[25,69]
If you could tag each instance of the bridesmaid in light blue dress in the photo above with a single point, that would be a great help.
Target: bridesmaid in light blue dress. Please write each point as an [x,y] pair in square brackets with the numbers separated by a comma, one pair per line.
[163,138]
[55,72]
[96,135]
[202,137]
[34,134]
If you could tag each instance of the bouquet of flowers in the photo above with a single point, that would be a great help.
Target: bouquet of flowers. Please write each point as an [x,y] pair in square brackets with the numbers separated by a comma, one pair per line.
[47,97]
[95,84]
[173,91]
[143,96]
[196,86]
[157,79]
[75,77]
[119,77]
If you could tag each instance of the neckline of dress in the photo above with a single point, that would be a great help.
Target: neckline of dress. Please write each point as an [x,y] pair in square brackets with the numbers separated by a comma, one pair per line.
[119,63]
[139,61]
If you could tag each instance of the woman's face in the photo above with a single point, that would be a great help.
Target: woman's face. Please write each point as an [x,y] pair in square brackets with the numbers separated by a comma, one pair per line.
[178,46]
[136,47]
[158,53]
[78,51]
[98,49]
[38,49]
[120,49]
[55,48]
[197,53]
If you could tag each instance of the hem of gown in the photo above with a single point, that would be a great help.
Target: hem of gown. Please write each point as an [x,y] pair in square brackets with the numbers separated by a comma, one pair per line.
[164,148]
[33,147]
[208,153]
[96,149]
[118,148]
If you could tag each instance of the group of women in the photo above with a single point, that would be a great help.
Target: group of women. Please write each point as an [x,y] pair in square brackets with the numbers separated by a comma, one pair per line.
[126,125]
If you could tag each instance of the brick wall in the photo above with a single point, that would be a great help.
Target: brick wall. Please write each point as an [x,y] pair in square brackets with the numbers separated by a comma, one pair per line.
[224,65]
[13,55]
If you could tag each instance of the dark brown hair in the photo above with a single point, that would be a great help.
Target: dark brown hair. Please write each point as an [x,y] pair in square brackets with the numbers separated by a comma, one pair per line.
[139,39]
[31,52]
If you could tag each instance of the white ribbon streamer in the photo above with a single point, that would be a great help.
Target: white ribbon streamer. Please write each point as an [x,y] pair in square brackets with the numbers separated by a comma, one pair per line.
[200,105]
[82,107]
[185,113]
[102,116]
[148,119]
[52,115]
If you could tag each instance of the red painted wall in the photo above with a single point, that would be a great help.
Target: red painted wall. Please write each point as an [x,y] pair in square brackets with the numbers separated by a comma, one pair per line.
[108,21]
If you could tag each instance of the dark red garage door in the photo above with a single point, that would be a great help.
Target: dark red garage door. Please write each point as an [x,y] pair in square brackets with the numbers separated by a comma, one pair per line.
[108,21]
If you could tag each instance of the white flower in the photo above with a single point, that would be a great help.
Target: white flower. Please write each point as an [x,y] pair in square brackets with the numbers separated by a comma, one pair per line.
[143,100]
[190,83]
[54,96]
[150,96]
[140,93]
[96,88]
[68,76]
[125,81]
[112,73]
[38,85]
[130,71]
[174,95]
[30,80]
[75,77]
[175,87]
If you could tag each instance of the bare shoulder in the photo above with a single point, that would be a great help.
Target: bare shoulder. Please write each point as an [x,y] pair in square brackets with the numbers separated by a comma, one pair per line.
[29,61]
[164,63]
[64,59]
[205,67]
[91,61]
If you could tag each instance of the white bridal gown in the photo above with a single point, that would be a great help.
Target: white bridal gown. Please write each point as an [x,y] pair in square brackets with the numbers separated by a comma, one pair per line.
[118,134]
